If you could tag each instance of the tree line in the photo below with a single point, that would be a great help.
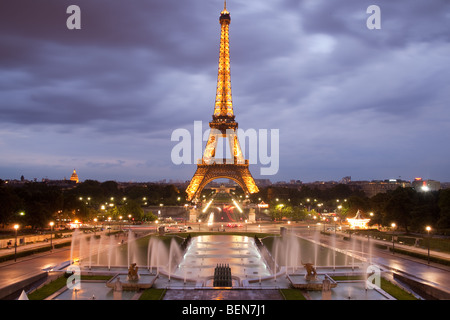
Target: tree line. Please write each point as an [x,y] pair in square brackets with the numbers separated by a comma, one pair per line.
[35,204]
[409,209]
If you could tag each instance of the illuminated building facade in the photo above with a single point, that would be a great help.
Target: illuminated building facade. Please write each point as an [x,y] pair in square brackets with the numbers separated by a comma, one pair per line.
[421,185]
[74,176]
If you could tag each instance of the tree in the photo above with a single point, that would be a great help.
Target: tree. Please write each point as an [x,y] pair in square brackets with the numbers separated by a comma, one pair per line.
[377,205]
[425,210]
[10,204]
[298,213]
[399,207]
[353,204]
[150,216]
[41,203]
[444,209]
[110,189]
[133,207]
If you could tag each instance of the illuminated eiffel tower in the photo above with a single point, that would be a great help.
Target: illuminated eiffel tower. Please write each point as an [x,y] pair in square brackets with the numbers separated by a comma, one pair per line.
[222,126]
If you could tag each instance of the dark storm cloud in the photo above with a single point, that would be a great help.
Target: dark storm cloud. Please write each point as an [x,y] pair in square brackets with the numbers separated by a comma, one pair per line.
[111,69]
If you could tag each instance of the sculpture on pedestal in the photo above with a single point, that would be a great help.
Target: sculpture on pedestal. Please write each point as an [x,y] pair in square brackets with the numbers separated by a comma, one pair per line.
[133,272]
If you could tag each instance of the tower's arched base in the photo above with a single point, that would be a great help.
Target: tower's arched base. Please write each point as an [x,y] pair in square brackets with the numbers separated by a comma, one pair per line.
[207,172]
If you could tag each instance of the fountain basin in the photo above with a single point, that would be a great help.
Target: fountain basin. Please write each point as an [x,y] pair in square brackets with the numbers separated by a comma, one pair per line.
[299,281]
[145,281]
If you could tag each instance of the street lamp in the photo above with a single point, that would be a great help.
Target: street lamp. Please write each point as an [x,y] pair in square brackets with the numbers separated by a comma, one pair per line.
[95,226]
[335,219]
[428,228]
[51,235]
[16,226]
[393,226]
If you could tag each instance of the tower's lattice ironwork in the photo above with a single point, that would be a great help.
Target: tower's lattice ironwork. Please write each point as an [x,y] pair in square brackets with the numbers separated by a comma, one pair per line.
[223,125]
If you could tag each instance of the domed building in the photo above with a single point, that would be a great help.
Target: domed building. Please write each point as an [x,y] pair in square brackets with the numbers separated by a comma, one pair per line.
[74,176]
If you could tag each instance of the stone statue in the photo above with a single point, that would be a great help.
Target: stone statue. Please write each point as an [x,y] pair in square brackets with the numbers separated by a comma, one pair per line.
[117,290]
[133,272]
[326,289]
[118,285]
[311,271]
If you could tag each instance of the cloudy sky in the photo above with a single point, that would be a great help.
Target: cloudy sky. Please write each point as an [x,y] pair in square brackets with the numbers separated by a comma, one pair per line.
[105,100]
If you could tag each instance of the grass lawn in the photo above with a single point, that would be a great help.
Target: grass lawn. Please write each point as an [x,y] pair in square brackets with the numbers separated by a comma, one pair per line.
[153,294]
[59,283]
[292,294]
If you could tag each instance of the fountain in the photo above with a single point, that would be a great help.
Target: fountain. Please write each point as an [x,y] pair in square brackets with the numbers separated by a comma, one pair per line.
[312,280]
[208,251]
[186,263]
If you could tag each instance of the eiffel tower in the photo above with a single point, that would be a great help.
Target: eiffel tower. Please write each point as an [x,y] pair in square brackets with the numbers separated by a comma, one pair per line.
[222,126]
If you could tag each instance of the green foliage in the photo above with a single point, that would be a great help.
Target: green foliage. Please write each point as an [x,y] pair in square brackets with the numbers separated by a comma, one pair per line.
[48,289]
[409,209]
[41,203]
[444,208]
[153,294]
[292,294]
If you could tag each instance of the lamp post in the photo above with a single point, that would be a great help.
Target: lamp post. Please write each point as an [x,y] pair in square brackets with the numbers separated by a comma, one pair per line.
[16,226]
[95,226]
[51,235]
[393,226]
[335,219]
[428,228]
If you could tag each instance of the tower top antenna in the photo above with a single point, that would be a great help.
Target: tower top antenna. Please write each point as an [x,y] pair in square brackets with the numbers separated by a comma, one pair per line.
[224,11]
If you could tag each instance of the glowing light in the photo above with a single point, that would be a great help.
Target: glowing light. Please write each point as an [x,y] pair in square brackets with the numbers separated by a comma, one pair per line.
[211,219]
[75,224]
[237,206]
[207,206]
[263,205]
[357,222]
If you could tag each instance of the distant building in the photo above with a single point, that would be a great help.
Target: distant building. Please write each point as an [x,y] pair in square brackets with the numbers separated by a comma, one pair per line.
[263,182]
[346,180]
[74,176]
[372,188]
[445,185]
[425,185]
